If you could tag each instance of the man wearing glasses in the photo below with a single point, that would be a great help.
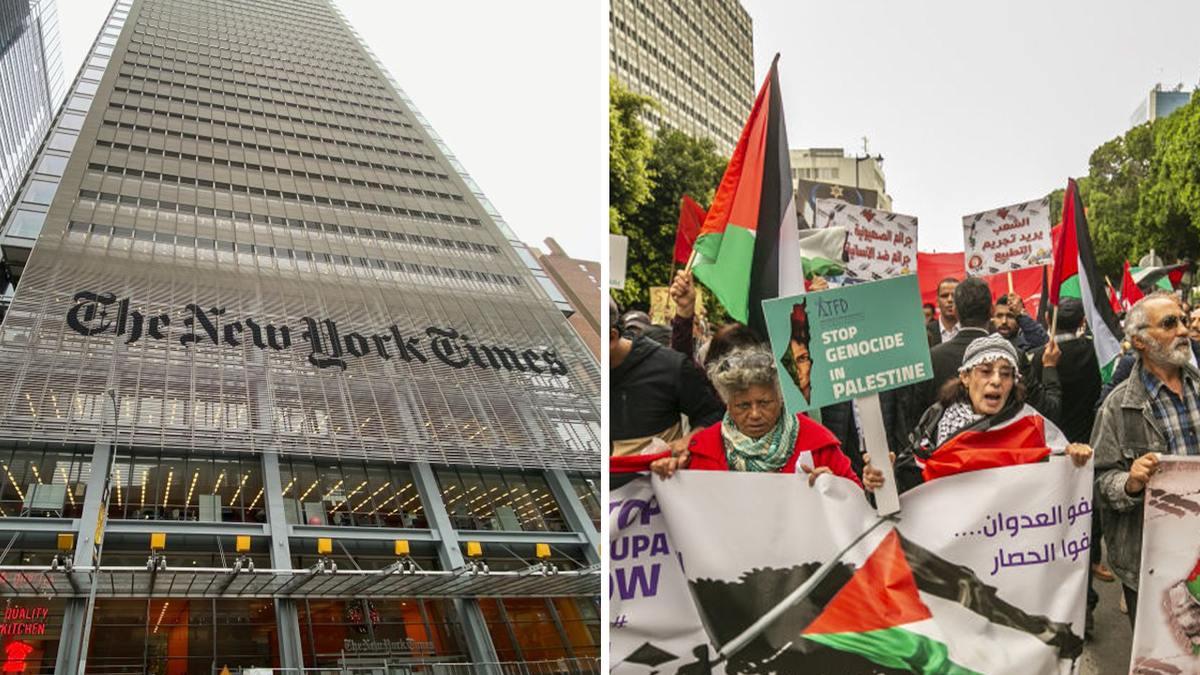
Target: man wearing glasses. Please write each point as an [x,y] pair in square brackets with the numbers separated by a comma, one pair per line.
[1154,412]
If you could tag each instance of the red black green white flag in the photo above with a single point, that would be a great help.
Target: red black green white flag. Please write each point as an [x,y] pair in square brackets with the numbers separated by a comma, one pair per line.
[748,249]
[1073,254]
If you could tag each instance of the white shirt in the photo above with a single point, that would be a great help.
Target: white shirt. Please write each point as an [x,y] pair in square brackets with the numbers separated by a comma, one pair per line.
[947,334]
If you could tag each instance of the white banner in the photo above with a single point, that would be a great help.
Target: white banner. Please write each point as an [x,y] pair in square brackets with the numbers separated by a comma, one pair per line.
[879,244]
[996,566]
[1009,238]
[618,258]
[1167,636]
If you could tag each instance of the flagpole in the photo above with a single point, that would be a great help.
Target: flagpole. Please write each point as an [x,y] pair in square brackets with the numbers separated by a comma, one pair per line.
[1010,283]
[691,259]
[1054,323]
[736,644]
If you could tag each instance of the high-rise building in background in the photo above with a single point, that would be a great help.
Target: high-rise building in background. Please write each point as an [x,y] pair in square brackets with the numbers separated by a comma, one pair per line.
[696,59]
[1159,103]
[276,389]
[31,86]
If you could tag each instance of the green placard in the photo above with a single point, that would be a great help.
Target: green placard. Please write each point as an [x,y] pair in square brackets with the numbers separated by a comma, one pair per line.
[852,341]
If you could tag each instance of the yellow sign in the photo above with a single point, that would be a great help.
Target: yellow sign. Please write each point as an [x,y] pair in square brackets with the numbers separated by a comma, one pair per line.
[225,670]
[662,307]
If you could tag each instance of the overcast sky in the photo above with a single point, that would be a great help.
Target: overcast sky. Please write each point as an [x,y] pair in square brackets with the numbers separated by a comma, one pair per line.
[972,105]
[517,90]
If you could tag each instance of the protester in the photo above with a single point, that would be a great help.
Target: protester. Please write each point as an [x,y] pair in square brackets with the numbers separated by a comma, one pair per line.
[947,324]
[636,322]
[986,395]
[1079,376]
[1156,411]
[650,387]
[756,434]
[930,312]
[971,304]
[1011,321]
[1194,325]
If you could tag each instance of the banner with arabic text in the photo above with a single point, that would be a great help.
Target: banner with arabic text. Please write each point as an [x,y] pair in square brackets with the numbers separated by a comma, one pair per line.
[985,572]
[879,244]
[1009,238]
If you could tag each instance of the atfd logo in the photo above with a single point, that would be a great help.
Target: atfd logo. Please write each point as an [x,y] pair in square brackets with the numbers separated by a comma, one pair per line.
[15,654]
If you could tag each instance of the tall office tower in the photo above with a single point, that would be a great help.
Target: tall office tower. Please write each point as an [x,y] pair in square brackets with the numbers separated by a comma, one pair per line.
[31,85]
[275,389]
[695,58]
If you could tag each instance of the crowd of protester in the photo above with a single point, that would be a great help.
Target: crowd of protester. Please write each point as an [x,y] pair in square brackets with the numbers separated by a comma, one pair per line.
[685,396]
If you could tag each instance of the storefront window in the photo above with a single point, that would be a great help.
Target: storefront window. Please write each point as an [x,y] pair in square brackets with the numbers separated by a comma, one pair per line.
[178,636]
[40,483]
[526,629]
[350,493]
[499,500]
[155,486]
[29,634]
[396,629]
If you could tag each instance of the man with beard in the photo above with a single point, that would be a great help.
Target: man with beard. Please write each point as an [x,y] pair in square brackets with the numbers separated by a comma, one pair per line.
[1156,411]
[1014,325]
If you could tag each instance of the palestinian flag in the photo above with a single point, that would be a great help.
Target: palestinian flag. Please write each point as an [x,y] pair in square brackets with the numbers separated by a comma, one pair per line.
[1073,255]
[747,250]
[1130,293]
[1021,440]
[691,217]
[909,610]
[1150,279]
[821,252]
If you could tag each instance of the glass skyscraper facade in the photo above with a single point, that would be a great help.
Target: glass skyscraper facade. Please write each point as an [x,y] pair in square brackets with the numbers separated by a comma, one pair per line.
[276,390]
[31,85]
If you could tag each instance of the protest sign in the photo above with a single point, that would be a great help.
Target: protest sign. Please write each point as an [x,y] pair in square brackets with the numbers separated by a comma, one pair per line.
[662,307]
[1009,238]
[985,573]
[847,342]
[1166,638]
[652,619]
[618,258]
[879,245]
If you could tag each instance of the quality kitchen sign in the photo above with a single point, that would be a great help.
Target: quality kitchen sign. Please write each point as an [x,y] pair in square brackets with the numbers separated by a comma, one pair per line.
[101,313]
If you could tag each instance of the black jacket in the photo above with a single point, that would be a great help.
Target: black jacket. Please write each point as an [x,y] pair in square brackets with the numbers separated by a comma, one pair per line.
[1079,375]
[652,387]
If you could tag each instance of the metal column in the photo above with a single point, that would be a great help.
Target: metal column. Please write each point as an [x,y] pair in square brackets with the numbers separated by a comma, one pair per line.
[479,641]
[572,509]
[287,614]
[75,624]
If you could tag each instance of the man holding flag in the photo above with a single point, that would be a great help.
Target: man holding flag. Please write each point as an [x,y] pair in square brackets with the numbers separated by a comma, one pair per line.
[748,249]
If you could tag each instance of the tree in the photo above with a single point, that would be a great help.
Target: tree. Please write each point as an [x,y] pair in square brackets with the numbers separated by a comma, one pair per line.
[680,165]
[629,178]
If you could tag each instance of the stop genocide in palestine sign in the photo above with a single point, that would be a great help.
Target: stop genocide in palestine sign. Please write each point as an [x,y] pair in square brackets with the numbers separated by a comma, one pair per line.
[843,343]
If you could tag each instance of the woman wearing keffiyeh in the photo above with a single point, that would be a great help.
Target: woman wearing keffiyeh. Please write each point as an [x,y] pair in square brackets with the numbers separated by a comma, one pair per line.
[756,434]
[981,421]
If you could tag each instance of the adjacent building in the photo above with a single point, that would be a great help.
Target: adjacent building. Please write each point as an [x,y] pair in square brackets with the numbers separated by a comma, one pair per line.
[1159,104]
[831,173]
[31,86]
[276,390]
[579,282]
[694,57]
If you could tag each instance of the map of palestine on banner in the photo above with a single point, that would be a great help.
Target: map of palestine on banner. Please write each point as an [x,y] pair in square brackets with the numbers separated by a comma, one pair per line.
[1167,636]
[986,571]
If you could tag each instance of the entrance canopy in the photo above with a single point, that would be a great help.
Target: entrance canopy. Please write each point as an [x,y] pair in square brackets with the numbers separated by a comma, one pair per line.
[139,582]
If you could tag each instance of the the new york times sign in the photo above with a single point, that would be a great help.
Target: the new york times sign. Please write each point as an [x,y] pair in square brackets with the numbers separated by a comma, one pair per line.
[102,313]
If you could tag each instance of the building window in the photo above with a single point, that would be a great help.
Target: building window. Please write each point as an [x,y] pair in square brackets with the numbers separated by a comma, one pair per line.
[40,483]
[350,493]
[499,500]
[156,486]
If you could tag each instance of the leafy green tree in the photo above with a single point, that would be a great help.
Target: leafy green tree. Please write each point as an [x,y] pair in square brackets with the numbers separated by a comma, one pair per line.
[629,177]
[680,165]
[1169,209]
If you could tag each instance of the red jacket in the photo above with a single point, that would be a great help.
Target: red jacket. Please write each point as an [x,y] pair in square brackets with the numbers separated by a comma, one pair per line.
[708,450]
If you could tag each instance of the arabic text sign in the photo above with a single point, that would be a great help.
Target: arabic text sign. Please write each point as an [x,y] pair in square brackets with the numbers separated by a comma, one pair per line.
[1009,238]
[846,342]
[879,245]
